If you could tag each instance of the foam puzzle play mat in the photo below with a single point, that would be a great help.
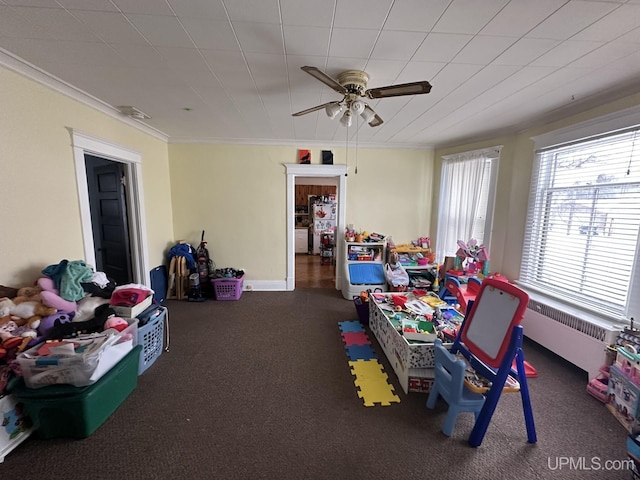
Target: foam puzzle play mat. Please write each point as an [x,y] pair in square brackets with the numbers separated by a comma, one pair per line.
[370,377]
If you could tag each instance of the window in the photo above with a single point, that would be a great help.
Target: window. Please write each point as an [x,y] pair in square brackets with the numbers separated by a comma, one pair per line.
[467,194]
[581,238]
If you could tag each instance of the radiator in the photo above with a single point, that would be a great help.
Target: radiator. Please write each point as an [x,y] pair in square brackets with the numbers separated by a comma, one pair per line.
[576,338]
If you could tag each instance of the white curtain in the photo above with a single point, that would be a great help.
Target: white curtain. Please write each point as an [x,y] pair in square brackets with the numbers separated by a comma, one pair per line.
[460,188]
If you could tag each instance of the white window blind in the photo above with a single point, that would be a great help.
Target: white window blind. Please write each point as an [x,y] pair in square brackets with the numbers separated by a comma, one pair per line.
[581,238]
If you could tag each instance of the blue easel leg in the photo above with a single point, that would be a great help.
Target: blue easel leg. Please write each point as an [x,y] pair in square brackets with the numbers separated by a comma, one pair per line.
[526,400]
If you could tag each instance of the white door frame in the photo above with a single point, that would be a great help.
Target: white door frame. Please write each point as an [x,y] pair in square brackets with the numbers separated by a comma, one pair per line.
[305,170]
[132,162]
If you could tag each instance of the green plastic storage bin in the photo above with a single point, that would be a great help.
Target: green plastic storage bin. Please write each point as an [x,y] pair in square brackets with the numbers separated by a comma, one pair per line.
[77,412]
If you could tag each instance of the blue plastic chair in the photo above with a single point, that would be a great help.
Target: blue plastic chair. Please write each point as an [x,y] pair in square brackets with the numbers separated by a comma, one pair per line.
[449,384]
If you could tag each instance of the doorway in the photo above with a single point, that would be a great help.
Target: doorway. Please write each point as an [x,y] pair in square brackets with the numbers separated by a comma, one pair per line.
[131,164]
[338,172]
[109,218]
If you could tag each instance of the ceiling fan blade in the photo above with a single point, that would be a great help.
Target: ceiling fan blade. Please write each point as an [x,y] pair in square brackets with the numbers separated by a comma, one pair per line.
[413,88]
[324,78]
[314,109]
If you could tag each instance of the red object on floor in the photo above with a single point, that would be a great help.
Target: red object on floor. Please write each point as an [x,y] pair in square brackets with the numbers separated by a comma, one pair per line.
[529,370]
[355,338]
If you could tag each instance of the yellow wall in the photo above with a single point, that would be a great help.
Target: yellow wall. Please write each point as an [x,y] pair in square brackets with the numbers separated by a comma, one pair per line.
[237,194]
[516,162]
[40,208]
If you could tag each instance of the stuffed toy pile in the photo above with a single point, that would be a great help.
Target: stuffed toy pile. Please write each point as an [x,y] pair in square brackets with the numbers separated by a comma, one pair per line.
[70,299]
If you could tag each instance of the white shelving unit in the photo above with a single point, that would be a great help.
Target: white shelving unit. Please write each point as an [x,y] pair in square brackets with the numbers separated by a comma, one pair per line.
[365,253]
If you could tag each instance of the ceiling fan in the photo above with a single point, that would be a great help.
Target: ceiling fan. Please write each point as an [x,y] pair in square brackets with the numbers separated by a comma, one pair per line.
[352,84]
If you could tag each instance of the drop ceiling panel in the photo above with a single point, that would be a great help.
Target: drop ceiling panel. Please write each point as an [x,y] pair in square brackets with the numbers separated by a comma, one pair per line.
[441,47]
[259,37]
[483,49]
[312,14]
[162,31]
[494,64]
[253,10]
[468,16]
[361,13]
[572,17]
[519,17]
[306,40]
[415,15]
[525,51]
[397,45]
[213,34]
[352,43]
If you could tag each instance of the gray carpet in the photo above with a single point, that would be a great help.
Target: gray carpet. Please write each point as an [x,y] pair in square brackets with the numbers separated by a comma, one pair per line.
[261,388]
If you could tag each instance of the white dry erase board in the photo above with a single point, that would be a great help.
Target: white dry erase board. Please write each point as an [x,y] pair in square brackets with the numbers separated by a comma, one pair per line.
[498,307]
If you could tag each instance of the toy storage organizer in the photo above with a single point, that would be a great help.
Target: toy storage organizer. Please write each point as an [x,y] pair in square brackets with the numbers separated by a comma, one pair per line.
[412,362]
[363,268]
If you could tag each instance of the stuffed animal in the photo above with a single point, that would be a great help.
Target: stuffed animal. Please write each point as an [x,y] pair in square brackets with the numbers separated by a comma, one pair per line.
[27,294]
[51,297]
[117,323]
[31,311]
[72,329]
[47,326]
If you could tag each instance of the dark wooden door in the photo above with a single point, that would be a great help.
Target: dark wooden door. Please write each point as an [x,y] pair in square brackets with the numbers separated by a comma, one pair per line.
[108,203]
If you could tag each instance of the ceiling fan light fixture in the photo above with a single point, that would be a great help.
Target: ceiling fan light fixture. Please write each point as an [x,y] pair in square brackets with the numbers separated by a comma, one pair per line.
[357,107]
[333,109]
[368,114]
[346,118]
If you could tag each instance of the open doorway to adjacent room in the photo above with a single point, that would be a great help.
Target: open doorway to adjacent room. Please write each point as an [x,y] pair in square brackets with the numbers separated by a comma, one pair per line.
[310,263]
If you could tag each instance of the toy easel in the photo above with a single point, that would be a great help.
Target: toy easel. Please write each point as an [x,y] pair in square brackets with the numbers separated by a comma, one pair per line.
[490,338]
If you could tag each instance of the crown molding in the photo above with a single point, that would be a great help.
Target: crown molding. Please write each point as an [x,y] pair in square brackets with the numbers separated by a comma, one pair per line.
[30,71]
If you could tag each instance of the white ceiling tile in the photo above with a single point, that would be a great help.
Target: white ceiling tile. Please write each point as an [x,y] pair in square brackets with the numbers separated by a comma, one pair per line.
[202,9]
[384,69]
[253,10]
[520,16]
[632,37]
[56,24]
[259,37]
[615,24]
[161,30]
[309,13]
[33,3]
[606,54]
[468,16]
[141,56]
[225,61]
[352,42]
[565,53]
[361,13]
[151,7]
[525,51]
[415,15]
[335,65]
[183,58]
[483,49]
[110,27]
[570,19]
[92,5]
[214,34]
[201,81]
[418,71]
[14,25]
[395,45]
[450,77]
[306,40]
[441,47]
